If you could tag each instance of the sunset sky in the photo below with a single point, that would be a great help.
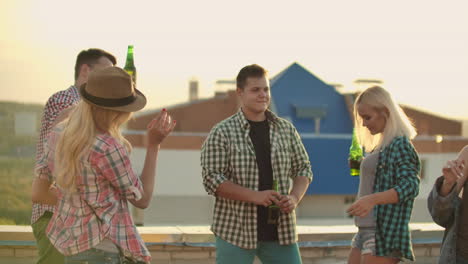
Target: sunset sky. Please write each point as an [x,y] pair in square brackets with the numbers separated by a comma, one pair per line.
[418,48]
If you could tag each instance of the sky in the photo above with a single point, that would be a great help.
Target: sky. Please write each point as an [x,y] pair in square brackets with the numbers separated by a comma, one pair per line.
[418,48]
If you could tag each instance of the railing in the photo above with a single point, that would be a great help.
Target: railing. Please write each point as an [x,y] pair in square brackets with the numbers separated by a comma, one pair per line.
[195,244]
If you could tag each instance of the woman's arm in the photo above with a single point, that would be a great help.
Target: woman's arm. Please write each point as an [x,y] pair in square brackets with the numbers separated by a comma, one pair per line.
[407,181]
[158,129]
[455,173]
[364,205]
[441,200]
[441,207]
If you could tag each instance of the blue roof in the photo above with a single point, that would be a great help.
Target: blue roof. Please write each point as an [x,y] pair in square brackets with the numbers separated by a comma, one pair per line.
[299,96]
[297,87]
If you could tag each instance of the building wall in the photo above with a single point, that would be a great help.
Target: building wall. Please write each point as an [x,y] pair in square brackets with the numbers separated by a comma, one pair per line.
[178,172]
[25,123]
[178,184]
[324,206]
[465,128]
[198,116]
[180,198]
[430,124]
[319,243]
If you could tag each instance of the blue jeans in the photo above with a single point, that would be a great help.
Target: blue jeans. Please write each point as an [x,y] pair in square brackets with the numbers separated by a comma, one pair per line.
[93,256]
[268,252]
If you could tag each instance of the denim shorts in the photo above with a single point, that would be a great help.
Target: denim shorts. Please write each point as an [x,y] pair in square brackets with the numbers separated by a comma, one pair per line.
[364,240]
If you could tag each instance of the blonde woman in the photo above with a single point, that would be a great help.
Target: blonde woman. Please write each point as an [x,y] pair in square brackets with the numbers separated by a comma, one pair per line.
[89,159]
[389,180]
[448,206]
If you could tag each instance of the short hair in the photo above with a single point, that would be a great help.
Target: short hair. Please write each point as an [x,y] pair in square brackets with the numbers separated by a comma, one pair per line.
[253,70]
[90,57]
[397,122]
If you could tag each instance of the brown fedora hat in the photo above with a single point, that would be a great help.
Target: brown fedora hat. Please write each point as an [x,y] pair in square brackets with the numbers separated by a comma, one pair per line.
[112,88]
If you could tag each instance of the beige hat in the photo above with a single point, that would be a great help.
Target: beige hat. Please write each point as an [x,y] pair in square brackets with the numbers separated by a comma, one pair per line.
[112,88]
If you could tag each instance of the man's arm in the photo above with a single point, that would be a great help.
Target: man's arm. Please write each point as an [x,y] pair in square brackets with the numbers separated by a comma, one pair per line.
[301,174]
[289,202]
[230,190]
[64,114]
[56,109]
[42,192]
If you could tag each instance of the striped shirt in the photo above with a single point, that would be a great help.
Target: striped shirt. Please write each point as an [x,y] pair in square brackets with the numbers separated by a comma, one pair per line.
[398,168]
[99,207]
[228,154]
[54,106]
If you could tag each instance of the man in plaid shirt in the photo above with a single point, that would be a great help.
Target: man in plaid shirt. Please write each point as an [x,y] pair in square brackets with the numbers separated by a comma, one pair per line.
[56,108]
[242,159]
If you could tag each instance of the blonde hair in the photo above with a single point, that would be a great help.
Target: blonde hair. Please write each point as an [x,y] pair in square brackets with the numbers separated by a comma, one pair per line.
[80,130]
[397,122]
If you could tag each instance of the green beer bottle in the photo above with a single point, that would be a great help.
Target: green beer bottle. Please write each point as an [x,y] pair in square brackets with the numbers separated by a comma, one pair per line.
[355,156]
[273,209]
[130,65]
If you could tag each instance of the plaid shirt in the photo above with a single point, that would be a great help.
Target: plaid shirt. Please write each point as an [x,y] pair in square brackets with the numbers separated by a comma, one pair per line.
[54,106]
[398,168]
[99,208]
[228,154]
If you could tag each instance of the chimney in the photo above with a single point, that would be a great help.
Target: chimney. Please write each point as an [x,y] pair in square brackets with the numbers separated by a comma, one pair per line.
[193,90]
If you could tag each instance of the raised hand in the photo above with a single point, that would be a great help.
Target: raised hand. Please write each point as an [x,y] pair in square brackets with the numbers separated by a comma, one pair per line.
[159,128]
[453,172]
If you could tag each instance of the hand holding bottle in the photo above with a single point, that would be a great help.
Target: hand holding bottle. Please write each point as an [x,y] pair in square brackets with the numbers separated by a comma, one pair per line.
[355,156]
[266,198]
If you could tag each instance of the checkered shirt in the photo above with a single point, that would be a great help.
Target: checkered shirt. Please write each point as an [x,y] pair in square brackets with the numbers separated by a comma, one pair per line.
[99,207]
[398,168]
[54,106]
[228,154]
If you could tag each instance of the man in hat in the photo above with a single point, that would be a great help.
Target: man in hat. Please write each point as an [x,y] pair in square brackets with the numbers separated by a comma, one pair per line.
[244,159]
[57,108]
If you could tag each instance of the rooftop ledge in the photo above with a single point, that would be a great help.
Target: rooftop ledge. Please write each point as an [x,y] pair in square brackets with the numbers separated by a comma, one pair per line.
[201,236]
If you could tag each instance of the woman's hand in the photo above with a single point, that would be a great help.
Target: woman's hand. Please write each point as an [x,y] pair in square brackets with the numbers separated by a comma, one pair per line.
[159,128]
[453,172]
[362,207]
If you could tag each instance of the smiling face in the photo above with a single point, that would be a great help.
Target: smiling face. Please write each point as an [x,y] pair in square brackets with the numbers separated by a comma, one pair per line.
[255,97]
[373,119]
